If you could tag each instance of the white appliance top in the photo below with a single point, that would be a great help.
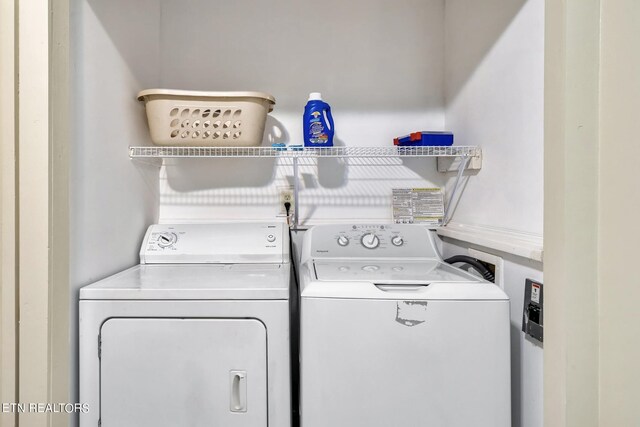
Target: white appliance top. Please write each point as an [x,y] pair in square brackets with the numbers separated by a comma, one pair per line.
[248,261]
[228,243]
[387,261]
[193,282]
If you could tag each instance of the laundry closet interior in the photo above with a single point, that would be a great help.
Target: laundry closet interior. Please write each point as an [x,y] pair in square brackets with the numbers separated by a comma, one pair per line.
[472,67]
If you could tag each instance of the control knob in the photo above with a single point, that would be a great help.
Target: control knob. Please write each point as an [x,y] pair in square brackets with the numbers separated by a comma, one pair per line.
[343,240]
[370,241]
[397,241]
[167,239]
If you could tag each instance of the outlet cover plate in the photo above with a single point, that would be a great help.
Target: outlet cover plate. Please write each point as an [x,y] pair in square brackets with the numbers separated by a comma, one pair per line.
[285,194]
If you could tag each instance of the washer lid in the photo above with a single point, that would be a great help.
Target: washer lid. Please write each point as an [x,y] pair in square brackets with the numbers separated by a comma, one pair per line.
[193,282]
[389,272]
[424,280]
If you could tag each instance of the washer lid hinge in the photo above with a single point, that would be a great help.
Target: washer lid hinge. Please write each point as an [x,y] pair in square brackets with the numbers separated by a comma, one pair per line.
[99,350]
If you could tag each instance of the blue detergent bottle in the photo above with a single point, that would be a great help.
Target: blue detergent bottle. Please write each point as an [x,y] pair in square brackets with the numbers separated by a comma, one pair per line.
[317,122]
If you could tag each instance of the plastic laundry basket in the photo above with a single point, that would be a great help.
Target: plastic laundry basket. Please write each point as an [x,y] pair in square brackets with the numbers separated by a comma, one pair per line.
[223,119]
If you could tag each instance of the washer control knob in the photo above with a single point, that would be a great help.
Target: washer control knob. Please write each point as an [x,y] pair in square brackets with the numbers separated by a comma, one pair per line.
[167,239]
[370,241]
[343,240]
[397,241]
[271,238]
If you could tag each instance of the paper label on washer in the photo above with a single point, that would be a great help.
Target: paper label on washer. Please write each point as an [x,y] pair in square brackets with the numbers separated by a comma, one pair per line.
[535,293]
[418,206]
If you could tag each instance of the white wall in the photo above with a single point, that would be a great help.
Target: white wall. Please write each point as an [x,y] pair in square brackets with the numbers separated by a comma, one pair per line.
[114,52]
[494,98]
[331,189]
[365,55]
[494,59]
[379,65]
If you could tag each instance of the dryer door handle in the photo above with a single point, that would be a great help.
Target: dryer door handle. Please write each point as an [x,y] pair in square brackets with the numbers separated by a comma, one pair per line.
[238,391]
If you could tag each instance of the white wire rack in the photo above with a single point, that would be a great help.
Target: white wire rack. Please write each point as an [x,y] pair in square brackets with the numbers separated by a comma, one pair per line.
[256,152]
[466,153]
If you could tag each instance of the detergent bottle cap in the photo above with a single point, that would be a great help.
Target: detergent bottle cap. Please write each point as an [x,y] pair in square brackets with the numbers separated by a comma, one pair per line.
[315,96]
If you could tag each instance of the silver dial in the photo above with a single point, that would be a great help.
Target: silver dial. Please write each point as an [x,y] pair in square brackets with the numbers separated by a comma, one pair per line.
[167,239]
[370,241]
[397,241]
[343,240]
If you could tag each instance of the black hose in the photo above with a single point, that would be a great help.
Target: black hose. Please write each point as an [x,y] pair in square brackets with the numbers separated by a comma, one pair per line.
[476,264]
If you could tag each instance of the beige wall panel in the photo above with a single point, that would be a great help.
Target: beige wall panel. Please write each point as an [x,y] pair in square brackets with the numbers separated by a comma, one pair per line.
[33,195]
[8,324]
[571,206]
[619,285]
[59,330]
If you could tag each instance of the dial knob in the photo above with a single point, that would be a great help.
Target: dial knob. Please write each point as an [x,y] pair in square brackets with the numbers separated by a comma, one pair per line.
[167,239]
[397,241]
[343,240]
[370,241]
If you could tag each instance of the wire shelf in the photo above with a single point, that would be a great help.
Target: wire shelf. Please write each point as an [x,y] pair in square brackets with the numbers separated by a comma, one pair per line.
[256,152]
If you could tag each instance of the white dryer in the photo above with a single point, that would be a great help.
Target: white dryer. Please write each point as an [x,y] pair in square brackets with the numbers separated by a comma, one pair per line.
[196,335]
[392,336]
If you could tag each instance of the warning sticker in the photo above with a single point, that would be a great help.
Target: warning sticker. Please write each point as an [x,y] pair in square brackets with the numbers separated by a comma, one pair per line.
[418,206]
[535,293]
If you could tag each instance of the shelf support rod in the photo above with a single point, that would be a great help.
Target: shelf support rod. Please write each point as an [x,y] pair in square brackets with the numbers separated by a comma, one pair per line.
[464,161]
[296,190]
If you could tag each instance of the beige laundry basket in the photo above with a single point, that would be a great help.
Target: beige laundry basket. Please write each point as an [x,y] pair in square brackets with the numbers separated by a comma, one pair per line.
[219,119]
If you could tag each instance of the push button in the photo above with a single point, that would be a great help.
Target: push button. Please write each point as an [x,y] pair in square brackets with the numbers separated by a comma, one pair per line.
[271,238]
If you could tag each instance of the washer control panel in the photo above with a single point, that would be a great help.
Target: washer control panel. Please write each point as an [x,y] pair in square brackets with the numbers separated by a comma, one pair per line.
[215,243]
[367,240]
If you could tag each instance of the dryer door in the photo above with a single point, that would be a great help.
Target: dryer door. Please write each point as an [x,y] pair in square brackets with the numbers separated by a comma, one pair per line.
[183,372]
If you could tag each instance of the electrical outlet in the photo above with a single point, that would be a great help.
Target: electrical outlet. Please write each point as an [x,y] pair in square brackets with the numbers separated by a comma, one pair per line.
[286,195]
[493,260]
[532,317]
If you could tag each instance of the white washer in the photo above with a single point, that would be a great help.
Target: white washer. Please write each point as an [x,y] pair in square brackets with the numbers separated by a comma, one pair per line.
[392,336]
[196,335]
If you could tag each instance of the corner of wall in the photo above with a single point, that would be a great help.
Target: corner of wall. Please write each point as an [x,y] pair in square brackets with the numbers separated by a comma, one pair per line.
[571,207]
